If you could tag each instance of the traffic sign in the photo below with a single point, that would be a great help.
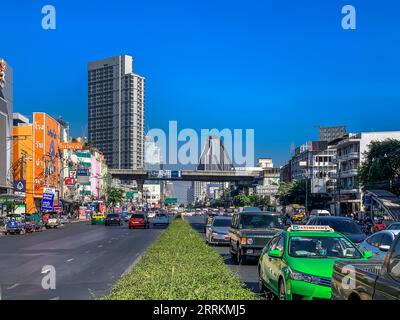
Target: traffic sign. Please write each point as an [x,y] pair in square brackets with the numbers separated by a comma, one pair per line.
[170,200]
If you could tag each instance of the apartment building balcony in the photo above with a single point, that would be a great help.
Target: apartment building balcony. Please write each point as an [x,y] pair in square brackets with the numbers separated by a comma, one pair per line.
[349,156]
[349,173]
[350,190]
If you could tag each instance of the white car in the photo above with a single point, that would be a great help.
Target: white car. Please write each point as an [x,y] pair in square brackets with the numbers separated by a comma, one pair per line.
[320,213]
[161,219]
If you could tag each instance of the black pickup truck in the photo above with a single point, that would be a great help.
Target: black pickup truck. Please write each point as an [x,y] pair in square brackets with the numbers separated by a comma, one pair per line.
[250,232]
[368,280]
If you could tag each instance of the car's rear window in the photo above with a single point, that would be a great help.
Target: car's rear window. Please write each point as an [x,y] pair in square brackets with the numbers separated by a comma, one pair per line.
[341,225]
[222,222]
[137,216]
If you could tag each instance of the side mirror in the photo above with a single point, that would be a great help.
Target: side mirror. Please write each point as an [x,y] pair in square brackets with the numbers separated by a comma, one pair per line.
[384,248]
[367,254]
[276,253]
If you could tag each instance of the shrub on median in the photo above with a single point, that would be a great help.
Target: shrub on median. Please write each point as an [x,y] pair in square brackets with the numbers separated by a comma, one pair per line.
[178,266]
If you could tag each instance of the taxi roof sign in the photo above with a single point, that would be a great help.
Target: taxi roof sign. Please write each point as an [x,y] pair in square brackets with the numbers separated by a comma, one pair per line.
[310,228]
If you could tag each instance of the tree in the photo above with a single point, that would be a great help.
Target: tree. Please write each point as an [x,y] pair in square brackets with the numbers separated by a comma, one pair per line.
[382,162]
[242,200]
[295,192]
[10,206]
[114,196]
[285,192]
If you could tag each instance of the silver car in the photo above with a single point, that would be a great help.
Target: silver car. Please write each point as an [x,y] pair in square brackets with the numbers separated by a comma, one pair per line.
[379,243]
[217,231]
[394,226]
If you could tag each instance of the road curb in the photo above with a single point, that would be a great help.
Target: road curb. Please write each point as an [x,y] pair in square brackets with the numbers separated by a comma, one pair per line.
[77,221]
[134,263]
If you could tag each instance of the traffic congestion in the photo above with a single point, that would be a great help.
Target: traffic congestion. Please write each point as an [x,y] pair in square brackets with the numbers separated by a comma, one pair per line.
[300,255]
[23,223]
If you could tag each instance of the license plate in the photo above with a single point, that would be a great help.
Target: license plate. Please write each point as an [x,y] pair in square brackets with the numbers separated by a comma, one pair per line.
[250,251]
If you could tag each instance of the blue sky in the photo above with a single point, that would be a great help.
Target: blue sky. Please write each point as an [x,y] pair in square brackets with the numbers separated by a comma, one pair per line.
[279,67]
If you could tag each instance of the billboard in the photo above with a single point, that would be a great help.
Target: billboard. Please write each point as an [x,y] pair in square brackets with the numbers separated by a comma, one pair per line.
[165,174]
[3,146]
[46,139]
[47,202]
[318,185]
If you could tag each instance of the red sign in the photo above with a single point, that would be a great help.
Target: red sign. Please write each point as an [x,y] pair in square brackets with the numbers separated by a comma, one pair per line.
[69,181]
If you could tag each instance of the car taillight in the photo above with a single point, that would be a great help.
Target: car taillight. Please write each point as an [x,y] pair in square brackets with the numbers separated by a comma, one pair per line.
[243,240]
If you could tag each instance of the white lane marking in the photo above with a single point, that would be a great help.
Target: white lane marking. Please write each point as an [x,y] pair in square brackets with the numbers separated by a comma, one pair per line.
[100,246]
[87,251]
[69,260]
[14,286]
[46,270]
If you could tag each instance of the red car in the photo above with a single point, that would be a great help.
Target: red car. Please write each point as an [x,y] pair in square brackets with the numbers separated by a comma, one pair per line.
[139,220]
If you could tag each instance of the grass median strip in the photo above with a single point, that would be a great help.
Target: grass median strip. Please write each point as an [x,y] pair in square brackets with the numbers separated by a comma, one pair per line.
[179,266]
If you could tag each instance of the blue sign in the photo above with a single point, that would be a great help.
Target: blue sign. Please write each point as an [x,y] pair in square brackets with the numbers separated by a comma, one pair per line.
[47,202]
[367,200]
[176,174]
[20,185]
[82,172]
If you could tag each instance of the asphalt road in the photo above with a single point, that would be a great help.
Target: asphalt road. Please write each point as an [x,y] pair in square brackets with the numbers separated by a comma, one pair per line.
[247,273]
[88,260]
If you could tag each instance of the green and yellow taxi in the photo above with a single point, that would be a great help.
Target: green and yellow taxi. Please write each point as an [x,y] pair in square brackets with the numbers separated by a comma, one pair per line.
[297,264]
[98,218]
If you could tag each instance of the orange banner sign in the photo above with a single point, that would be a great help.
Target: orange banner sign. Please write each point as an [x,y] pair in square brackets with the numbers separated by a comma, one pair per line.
[71,145]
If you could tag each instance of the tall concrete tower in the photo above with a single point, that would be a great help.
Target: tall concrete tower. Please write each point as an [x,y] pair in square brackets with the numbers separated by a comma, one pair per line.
[116,98]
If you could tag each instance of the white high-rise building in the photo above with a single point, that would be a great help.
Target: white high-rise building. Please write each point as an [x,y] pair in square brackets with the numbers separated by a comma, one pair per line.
[116,98]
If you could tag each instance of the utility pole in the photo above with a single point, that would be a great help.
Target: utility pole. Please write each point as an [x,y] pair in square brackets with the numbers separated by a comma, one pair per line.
[338,187]
[304,164]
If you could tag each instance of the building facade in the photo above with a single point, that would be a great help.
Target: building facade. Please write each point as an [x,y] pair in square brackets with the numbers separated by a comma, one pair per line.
[350,156]
[331,133]
[6,126]
[152,194]
[116,102]
[23,159]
